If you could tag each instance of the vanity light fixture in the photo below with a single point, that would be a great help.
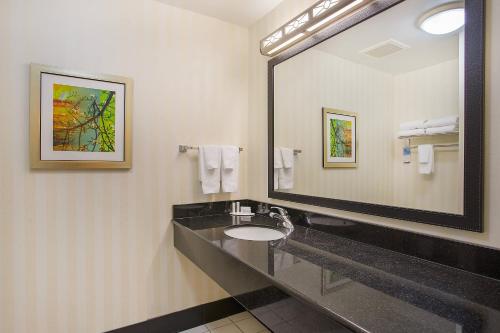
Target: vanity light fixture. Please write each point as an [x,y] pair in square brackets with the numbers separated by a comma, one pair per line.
[443,19]
[308,22]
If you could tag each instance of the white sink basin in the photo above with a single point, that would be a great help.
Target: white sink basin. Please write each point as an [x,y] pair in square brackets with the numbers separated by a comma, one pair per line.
[254,233]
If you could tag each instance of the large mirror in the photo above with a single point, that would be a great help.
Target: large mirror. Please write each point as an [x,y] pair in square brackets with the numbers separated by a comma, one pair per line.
[382,113]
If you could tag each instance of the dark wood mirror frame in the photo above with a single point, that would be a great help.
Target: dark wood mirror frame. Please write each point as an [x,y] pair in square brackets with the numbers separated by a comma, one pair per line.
[472,218]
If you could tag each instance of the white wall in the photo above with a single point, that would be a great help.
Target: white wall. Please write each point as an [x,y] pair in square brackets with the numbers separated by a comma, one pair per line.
[89,251]
[258,120]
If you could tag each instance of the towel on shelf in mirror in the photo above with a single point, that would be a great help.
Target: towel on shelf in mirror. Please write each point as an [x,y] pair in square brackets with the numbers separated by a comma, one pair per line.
[411,125]
[442,130]
[413,132]
[442,121]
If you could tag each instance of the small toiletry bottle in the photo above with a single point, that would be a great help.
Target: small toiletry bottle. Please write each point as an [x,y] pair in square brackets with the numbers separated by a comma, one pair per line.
[237,206]
[407,154]
[233,207]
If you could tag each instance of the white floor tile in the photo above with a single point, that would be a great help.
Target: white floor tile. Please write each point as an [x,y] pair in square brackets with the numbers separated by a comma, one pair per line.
[218,323]
[199,329]
[250,325]
[240,316]
[231,328]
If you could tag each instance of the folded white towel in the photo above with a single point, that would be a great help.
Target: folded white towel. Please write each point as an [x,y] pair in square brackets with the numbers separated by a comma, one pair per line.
[425,159]
[278,160]
[410,125]
[443,121]
[413,132]
[212,155]
[286,173]
[287,155]
[209,177]
[230,168]
[441,130]
[278,164]
[230,157]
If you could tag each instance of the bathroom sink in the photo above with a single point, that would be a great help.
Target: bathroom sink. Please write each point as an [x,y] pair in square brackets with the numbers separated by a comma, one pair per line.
[254,232]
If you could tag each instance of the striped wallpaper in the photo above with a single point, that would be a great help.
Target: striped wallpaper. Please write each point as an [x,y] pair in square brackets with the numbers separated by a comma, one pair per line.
[89,251]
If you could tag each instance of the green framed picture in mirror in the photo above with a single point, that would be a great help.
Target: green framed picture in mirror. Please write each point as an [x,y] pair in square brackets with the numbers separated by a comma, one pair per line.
[339,139]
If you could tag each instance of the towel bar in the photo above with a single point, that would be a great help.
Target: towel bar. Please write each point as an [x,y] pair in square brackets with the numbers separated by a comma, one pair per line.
[184,148]
[439,145]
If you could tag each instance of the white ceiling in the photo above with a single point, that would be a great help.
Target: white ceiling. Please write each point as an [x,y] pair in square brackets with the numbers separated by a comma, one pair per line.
[240,12]
[399,23]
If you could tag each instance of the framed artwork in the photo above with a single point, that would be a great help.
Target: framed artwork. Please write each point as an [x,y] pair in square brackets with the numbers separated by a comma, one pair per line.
[339,139]
[79,121]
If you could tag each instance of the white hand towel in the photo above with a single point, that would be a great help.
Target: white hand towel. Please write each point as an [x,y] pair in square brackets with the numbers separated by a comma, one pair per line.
[212,155]
[442,130]
[278,160]
[425,159]
[286,173]
[410,125]
[230,168]
[278,164]
[443,121]
[413,132]
[287,155]
[209,177]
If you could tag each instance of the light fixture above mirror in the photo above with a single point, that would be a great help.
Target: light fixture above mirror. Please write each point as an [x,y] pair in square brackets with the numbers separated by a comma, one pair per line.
[310,21]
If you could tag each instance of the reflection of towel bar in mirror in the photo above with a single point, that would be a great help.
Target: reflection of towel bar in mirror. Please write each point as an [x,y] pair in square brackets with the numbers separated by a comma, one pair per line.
[184,148]
[427,135]
[439,145]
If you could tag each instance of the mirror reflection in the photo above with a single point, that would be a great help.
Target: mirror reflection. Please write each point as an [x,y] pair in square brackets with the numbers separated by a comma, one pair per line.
[377,111]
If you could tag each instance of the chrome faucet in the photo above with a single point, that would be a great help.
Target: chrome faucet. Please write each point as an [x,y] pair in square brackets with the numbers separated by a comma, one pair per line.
[283,217]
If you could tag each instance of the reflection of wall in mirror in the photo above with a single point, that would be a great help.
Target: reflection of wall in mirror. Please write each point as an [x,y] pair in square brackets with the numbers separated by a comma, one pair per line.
[313,79]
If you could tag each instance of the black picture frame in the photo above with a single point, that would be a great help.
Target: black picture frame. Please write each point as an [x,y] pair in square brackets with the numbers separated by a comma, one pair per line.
[473,195]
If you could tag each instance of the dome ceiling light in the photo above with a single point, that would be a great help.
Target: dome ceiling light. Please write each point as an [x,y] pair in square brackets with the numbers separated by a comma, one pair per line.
[444,19]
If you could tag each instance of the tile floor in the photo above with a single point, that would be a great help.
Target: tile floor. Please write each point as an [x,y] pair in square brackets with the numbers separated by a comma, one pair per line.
[242,322]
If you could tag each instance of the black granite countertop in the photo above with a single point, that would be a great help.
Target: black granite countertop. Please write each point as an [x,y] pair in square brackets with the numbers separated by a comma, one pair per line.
[370,288]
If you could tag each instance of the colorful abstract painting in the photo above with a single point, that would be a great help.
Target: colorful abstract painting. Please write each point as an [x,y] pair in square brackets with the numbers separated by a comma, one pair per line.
[83,119]
[339,143]
[340,138]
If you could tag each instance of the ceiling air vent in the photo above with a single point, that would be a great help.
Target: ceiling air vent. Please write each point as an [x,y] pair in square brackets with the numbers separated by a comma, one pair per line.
[384,49]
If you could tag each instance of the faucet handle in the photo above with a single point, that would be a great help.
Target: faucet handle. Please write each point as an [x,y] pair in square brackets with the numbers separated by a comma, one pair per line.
[282,211]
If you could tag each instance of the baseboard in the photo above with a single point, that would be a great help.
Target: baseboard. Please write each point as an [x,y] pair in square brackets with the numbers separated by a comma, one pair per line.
[186,319]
